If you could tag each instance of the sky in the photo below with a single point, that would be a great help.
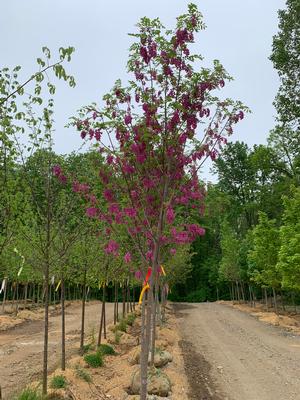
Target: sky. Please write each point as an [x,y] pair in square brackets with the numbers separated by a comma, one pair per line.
[239,34]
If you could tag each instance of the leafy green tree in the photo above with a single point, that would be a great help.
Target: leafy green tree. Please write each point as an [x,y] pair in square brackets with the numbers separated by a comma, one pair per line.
[286,60]
[237,179]
[230,245]
[264,255]
[289,253]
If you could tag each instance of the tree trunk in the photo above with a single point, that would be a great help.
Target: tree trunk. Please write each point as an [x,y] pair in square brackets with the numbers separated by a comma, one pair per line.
[133,295]
[275,301]
[14,296]
[282,300]
[144,352]
[25,294]
[38,295]
[102,317]
[4,296]
[266,299]
[128,297]
[153,327]
[63,327]
[83,313]
[250,296]
[243,292]
[238,292]
[46,330]
[115,304]
[124,299]
[293,302]
[104,311]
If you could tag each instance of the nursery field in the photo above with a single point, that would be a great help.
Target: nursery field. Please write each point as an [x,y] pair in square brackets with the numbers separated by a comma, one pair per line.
[21,346]
[150,232]
[220,351]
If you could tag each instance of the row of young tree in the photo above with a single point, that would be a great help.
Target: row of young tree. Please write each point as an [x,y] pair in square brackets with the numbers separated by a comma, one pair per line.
[129,205]
[252,219]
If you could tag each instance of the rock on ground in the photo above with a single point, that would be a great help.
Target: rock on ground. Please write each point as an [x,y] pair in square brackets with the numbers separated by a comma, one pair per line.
[158,383]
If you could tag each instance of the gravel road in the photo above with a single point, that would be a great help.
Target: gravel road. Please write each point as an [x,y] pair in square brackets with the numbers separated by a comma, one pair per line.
[230,355]
[21,348]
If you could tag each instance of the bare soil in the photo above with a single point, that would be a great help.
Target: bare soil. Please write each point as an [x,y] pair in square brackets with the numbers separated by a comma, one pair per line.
[231,355]
[21,342]
[113,380]
[285,319]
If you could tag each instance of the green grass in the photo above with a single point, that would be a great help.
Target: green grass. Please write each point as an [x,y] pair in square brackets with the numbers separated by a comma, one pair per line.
[83,374]
[122,325]
[87,347]
[94,360]
[117,337]
[29,394]
[130,319]
[58,382]
[105,349]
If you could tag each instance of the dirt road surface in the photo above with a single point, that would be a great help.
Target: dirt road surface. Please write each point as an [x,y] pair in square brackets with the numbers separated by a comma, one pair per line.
[230,355]
[21,348]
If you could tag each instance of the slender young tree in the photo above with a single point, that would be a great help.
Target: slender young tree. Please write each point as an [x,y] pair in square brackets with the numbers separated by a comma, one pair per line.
[154,143]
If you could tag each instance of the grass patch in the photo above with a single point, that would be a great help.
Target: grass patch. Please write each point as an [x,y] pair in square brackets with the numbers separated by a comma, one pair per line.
[58,382]
[117,337]
[130,319]
[87,347]
[105,349]
[122,325]
[83,374]
[94,360]
[29,394]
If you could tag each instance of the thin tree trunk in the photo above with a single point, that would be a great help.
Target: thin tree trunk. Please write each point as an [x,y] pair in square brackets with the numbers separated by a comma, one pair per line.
[83,313]
[144,352]
[250,296]
[25,294]
[275,301]
[238,291]
[293,302]
[253,296]
[54,295]
[102,321]
[4,296]
[153,330]
[124,299]
[243,292]
[104,311]
[33,294]
[46,283]
[115,303]
[63,327]
[282,301]
[14,297]
[50,293]
[231,292]
[46,330]
[101,326]
[133,295]
[266,299]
